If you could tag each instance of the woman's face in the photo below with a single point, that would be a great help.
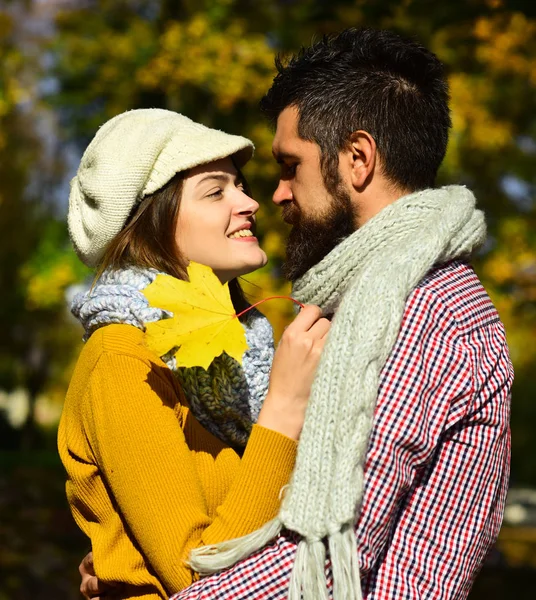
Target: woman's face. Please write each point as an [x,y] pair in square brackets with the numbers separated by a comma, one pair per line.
[216,223]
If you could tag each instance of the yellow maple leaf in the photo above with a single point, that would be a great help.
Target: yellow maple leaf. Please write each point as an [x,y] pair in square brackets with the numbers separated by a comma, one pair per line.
[204,322]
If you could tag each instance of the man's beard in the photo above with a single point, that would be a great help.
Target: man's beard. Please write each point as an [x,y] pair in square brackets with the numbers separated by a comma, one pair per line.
[312,238]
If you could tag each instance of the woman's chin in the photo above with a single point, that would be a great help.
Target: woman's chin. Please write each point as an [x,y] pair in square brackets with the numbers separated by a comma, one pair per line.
[238,270]
[252,265]
[252,261]
[248,269]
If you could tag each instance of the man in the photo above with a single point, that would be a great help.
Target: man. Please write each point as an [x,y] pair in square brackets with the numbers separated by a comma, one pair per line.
[403,463]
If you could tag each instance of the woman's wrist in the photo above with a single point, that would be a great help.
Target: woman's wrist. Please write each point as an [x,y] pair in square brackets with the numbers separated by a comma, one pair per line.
[277,415]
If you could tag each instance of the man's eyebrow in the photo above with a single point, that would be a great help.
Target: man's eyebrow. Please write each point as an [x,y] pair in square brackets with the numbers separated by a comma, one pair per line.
[280,156]
[216,176]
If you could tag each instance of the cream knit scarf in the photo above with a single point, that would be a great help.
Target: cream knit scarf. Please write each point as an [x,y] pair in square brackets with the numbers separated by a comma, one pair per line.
[366,281]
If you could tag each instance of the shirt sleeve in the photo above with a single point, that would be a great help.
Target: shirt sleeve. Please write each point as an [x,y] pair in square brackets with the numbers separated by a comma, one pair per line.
[140,447]
[438,460]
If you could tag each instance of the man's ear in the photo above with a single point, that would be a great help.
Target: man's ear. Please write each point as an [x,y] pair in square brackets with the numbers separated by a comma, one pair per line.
[362,153]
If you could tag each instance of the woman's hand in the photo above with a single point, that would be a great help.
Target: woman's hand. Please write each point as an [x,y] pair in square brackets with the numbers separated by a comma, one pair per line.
[293,371]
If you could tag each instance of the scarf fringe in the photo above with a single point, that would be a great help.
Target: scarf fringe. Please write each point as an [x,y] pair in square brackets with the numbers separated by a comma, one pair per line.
[345,564]
[216,557]
[308,578]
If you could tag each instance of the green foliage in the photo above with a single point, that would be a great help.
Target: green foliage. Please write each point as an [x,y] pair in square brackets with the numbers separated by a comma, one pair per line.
[51,269]
[213,60]
[37,340]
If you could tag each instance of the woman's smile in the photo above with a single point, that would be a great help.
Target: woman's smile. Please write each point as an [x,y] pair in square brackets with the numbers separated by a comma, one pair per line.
[243,234]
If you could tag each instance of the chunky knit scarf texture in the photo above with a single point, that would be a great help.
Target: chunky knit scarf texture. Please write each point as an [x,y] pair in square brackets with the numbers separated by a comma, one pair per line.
[365,281]
[226,398]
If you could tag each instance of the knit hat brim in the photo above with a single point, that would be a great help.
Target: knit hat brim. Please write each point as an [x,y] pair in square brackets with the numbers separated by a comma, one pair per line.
[175,157]
[132,156]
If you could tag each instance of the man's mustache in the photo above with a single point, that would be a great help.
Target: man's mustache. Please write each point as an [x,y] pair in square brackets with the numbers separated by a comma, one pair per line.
[291,214]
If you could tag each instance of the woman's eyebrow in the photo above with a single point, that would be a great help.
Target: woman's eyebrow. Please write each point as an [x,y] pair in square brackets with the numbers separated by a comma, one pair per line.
[216,176]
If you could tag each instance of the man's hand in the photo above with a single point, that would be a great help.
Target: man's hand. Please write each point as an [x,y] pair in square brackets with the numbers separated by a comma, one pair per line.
[91,587]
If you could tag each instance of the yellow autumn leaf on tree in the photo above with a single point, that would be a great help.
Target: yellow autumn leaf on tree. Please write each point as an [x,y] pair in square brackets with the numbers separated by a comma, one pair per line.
[204,322]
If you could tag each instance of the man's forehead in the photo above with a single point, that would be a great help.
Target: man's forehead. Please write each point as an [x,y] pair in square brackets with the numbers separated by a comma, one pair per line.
[287,125]
[287,142]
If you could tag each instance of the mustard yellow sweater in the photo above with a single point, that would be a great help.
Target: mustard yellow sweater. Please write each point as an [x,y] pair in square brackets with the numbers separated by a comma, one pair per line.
[146,482]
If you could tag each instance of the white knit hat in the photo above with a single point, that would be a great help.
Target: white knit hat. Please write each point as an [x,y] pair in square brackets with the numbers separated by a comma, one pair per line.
[133,155]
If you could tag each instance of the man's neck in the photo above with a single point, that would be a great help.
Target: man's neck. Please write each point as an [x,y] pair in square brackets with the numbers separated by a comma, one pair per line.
[373,200]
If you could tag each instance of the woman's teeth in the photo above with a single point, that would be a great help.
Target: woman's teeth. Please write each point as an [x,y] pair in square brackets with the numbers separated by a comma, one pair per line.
[241,233]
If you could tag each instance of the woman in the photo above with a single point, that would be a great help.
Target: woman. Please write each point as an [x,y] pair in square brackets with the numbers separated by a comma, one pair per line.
[161,460]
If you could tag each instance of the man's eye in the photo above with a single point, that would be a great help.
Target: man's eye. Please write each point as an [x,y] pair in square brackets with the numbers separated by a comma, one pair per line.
[290,170]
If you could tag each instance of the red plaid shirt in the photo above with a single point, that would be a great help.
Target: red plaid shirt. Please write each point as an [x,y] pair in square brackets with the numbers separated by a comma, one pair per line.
[437,467]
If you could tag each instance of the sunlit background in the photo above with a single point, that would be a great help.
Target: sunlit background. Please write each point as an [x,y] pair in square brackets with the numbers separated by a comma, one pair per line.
[67,66]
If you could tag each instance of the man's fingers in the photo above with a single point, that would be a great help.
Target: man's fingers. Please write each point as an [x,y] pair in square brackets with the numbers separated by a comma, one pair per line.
[86,567]
[91,587]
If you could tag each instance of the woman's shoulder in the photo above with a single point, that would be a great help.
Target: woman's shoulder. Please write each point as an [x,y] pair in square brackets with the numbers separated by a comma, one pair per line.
[116,338]
[117,352]
[118,341]
[117,375]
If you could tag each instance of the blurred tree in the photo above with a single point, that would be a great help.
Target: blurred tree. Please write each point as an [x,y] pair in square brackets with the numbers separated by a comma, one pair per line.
[212,60]
[37,341]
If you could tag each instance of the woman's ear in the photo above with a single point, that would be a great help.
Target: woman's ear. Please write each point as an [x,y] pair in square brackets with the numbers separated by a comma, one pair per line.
[362,153]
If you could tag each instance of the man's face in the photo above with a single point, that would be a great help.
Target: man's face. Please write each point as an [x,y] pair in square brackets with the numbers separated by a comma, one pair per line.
[319,219]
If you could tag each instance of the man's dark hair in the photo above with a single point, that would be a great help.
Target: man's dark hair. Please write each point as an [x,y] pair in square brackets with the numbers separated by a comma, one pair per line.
[376,81]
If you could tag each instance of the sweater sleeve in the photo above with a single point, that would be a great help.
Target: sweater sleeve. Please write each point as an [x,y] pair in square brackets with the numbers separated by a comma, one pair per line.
[142,452]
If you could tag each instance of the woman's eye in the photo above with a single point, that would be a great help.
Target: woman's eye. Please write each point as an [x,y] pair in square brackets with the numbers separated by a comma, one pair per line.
[215,193]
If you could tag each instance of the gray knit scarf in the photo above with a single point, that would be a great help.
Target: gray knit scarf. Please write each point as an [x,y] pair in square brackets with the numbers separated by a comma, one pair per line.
[226,398]
[366,281]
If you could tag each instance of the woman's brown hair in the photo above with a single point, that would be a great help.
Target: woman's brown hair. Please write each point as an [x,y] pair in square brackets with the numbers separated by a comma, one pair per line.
[149,239]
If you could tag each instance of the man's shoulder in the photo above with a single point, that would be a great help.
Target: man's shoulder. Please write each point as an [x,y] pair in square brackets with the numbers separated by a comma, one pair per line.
[455,291]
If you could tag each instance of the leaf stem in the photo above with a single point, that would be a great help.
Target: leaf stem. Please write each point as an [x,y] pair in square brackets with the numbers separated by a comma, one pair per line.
[266,300]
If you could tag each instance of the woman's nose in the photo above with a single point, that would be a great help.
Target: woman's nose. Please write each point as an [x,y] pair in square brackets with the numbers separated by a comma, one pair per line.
[248,206]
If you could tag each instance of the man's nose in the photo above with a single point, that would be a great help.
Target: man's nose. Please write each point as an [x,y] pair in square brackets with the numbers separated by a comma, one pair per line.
[282,193]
